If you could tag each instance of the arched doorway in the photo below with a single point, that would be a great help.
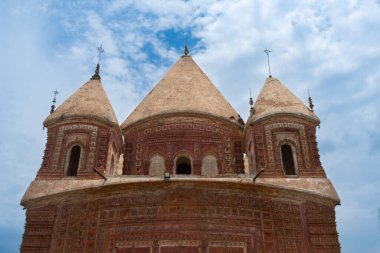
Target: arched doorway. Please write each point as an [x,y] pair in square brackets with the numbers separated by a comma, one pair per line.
[183,166]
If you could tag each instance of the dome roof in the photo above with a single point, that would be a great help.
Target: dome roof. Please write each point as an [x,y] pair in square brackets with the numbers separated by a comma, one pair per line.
[275,98]
[88,102]
[184,89]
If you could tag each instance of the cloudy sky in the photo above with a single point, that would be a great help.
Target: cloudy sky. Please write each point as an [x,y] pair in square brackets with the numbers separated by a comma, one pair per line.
[330,47]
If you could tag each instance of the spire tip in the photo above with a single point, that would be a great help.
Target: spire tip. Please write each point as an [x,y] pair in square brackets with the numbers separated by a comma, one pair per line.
[186,51]
[267,52]
[54,101]
[251,110]
[311,105]
[96,76]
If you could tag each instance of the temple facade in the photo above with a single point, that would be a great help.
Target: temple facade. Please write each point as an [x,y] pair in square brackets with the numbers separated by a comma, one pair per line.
[182,174]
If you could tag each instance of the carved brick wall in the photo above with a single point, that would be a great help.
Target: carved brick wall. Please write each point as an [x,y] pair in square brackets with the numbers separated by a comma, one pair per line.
[38,229]
[267,137]
[170,217]
[94,141]
[322,228]
[189,136]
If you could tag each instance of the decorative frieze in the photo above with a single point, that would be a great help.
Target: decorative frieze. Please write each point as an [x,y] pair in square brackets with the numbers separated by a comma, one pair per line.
[193,137]
[203,218]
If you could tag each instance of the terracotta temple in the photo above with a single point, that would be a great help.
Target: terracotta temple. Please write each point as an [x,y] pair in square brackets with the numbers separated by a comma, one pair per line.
[182,174]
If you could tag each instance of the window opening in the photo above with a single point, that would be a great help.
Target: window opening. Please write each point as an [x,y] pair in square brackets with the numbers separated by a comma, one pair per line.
[183,166]
[287,159]
[72,169]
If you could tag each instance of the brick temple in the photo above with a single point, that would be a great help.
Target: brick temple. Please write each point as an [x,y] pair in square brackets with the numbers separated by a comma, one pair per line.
[182,174]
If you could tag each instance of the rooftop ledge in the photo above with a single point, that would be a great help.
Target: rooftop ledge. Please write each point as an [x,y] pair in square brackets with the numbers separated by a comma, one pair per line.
[315,186]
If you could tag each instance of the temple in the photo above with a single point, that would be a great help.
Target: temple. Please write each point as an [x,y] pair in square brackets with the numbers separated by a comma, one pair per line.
[182,174]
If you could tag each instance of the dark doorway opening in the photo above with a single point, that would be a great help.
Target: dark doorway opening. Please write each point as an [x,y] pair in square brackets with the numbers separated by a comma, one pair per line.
[72,168]
[287,160]
[183,166]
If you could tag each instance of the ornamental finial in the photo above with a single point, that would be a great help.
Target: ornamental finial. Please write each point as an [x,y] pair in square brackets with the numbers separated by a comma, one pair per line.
[96,76]
[186,51]
[267,52]
[311,105]
[54,101]
[251,110]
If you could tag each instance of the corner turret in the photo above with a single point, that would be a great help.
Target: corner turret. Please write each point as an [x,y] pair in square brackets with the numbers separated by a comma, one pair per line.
[84,137]
[280,135]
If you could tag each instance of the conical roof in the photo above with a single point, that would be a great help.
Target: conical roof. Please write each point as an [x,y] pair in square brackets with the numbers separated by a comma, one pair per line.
[275,98]
[184,89]
[88,102]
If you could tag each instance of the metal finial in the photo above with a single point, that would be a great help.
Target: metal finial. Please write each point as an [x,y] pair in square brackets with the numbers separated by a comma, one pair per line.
[186,51]
[250,97]
[252,110]
[311,105]
[267,52]
[96,76]
[54,101]
[100,50]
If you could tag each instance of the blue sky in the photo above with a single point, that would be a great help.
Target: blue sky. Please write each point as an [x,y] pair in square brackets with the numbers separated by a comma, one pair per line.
[329,47]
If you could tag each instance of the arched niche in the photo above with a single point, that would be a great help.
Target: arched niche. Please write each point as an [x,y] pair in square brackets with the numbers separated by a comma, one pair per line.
[156,165]
[73,161]
[209,166]
[288,159]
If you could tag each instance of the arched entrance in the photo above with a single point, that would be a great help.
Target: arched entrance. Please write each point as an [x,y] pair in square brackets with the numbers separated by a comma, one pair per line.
[183,166]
